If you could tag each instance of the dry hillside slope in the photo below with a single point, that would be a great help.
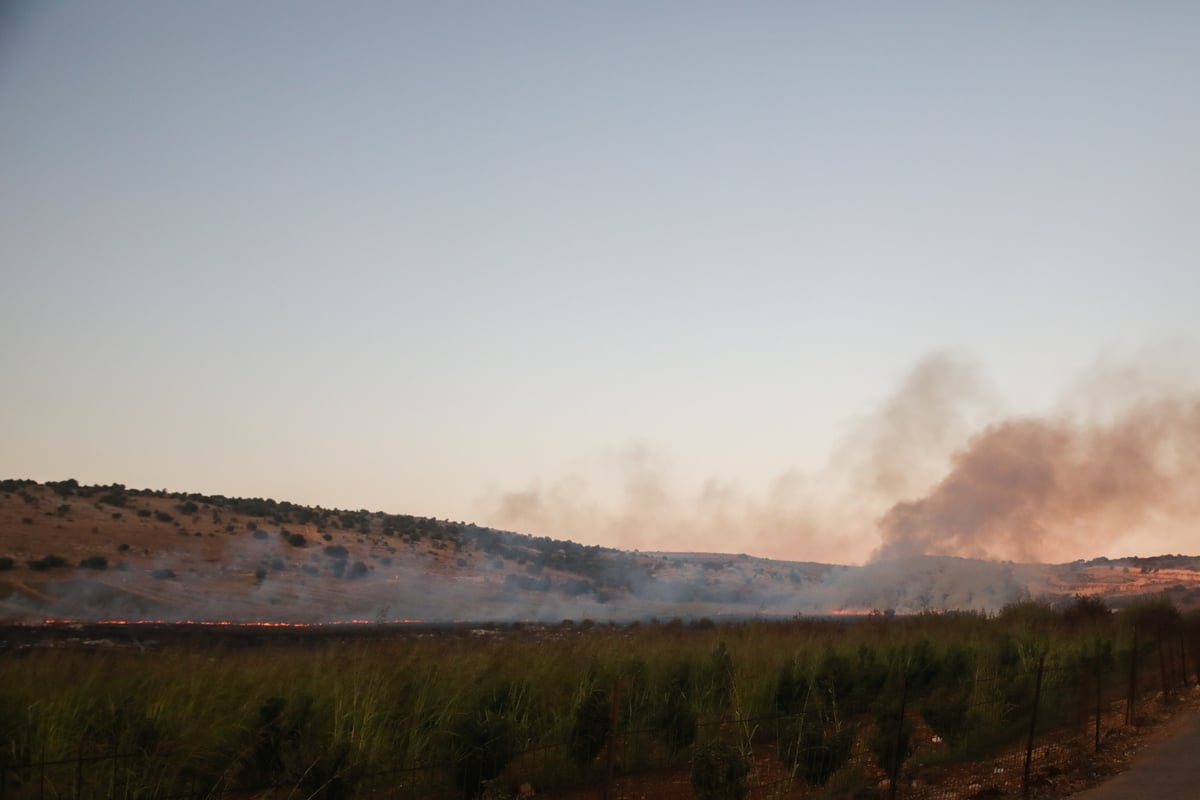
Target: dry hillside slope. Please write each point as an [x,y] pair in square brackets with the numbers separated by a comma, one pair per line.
[107,552]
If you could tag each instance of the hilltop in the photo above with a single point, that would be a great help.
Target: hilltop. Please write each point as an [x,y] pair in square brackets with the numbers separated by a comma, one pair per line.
[110,552]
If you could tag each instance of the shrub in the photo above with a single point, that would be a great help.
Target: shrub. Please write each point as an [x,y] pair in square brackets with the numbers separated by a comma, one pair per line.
[359,570]
[163,516]
[123,548]
[485,741]
[115,496]
[336,551]
[251,526]
[94,562]
[143,512]
[6,563]
[47,562]
[27,520]
[947,712]
[259,534]
[1086,610]
[814,743]
[162,574]
[677,717]
[892,743]
[65,488]
[295,539]
[589,728]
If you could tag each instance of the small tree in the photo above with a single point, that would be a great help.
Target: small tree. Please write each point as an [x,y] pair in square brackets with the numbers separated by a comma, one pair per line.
[47,563]
[589,729]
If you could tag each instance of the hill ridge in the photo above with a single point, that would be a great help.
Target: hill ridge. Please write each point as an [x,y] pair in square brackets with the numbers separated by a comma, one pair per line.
[108,551]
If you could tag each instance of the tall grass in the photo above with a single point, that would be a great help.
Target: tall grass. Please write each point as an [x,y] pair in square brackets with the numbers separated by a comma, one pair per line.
[212,717]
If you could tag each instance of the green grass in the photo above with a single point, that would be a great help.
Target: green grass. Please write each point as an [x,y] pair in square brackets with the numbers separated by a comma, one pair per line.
[321,716]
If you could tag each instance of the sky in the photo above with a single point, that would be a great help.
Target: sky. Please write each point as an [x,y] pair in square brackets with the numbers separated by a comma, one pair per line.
[666,275]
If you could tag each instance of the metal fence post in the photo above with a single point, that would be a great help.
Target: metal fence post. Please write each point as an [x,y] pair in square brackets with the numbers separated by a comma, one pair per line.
[614,715]
[1129,700]
[1037,696]
[893,778]
[79,771]
[1162,671]
[1099,686]
[1183,676]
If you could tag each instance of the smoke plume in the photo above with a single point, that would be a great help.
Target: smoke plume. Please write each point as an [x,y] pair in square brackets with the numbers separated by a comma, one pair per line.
[629,499]
[1033,488]
[935,469]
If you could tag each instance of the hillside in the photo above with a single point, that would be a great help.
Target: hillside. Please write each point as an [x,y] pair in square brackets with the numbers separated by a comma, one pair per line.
[108,552]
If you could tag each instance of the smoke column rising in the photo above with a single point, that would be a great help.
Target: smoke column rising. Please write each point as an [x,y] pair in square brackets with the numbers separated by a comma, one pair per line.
[1031,489]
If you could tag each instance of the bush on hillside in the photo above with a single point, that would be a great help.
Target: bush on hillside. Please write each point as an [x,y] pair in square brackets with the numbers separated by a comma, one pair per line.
[47,563]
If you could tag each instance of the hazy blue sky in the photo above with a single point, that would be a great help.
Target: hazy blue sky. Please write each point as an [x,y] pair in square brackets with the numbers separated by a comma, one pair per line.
[550,265]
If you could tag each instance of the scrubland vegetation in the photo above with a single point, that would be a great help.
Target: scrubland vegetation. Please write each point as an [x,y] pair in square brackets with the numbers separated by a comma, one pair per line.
[831,706]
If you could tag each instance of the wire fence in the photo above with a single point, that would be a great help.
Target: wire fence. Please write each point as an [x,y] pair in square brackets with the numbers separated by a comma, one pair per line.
[995,734]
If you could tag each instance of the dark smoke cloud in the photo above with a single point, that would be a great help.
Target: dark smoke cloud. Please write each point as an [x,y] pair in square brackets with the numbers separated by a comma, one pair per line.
[1033,488]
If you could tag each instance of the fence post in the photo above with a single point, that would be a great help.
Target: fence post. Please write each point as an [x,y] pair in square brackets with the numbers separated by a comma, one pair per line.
[614,715]
[79,770]
[1195,640]
[893,778]
[1183,676]
[1162,672]
[1129,700]
[1099,685]
[1037,696]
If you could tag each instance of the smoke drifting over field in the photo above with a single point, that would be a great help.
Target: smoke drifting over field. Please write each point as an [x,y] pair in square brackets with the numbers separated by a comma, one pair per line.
[629,499]
[937,470]
[1027,488]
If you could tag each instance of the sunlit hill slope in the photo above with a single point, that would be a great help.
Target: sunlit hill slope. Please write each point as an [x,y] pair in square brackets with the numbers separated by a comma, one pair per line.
[107,552]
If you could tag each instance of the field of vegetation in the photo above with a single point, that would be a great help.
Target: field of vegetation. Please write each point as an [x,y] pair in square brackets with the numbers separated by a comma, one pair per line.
[802,708]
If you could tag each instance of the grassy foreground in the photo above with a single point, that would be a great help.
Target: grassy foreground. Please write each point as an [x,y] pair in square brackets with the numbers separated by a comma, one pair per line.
[202,719]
